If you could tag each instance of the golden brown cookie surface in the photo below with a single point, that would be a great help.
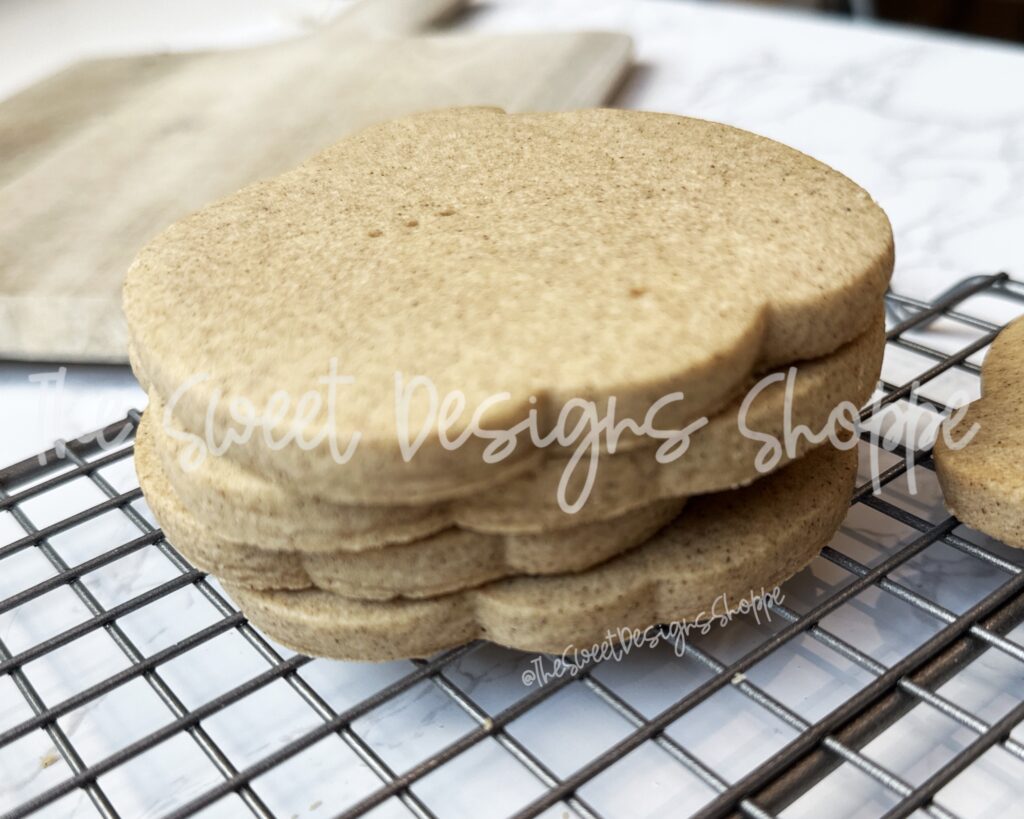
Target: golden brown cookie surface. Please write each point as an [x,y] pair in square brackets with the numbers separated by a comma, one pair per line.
[581,255]
[243,506]
[983,482]
[440,562]
[726,545]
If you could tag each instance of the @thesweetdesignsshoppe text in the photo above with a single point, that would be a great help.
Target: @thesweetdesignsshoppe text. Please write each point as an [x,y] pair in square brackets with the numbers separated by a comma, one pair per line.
[620,641]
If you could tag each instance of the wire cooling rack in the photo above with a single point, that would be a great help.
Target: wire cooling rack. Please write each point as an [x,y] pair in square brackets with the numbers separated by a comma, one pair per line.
[888,681]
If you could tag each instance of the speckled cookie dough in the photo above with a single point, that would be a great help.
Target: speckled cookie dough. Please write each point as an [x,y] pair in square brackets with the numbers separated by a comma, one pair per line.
[443,562]
[732,543]
[590,254]
[241,506]
[983,482]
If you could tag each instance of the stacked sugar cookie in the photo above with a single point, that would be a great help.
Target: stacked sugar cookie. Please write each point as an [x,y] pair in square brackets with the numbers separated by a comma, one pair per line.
[381,384]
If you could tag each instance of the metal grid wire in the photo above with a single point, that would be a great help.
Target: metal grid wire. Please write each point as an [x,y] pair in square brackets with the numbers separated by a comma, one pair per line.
[807,758]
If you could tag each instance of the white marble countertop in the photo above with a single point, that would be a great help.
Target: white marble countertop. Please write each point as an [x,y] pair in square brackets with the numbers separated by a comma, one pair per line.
[932,125]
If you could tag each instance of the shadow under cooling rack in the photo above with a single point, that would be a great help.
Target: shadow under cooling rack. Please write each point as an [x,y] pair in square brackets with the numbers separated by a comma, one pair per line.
[889,680]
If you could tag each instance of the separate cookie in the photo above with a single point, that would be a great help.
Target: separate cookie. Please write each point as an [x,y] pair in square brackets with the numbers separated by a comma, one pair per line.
[538,258]
[983,482]
[241,506]
[450,560]
[727,546]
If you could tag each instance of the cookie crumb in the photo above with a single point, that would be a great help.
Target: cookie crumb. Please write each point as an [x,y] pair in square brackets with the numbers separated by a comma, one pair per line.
[48,759]
[316,804]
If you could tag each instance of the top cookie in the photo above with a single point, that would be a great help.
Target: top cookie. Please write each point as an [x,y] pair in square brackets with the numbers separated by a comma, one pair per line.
[591,255]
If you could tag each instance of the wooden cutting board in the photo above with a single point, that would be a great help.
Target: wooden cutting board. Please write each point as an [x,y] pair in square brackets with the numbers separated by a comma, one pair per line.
[99,158]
